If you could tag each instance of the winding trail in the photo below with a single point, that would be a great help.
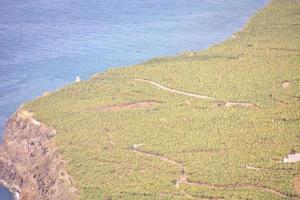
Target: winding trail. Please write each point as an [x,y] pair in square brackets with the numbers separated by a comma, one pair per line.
[254,168]
[163,158]
[199,96]
[183,179]
[243,187]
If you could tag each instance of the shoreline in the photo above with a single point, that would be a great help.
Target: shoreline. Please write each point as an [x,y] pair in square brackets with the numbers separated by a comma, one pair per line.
[13,189]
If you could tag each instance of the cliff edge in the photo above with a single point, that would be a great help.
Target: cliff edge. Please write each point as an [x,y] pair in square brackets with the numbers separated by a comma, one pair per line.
[30,164]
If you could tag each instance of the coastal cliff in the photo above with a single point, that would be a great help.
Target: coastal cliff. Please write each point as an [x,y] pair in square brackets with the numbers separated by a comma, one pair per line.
[215,124]
[30,164]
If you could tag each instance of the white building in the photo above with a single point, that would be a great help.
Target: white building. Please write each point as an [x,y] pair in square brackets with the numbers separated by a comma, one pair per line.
[77,79]
[292,158]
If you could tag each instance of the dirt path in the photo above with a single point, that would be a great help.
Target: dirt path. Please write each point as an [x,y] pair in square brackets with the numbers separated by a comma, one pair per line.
[252,167]
[163,158]
[199,96]
[296,184]
[243,187]
[183,179]
[126,106]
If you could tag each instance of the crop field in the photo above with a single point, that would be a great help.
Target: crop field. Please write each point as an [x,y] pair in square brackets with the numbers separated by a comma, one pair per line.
[214,124]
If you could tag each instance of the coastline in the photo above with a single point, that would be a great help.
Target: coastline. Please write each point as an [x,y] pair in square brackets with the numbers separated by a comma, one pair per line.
[17,192]
[34,169]
[14,188]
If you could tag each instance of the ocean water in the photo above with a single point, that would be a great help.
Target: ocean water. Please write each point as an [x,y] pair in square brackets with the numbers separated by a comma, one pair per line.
[46,44]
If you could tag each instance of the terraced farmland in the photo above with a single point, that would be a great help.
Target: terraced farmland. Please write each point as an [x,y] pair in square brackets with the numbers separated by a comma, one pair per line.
[214,124]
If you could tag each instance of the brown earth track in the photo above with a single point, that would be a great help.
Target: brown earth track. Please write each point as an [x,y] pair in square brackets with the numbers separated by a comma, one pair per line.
[252,167]
[200,96]
[296,184]
[126,106]
[183,179]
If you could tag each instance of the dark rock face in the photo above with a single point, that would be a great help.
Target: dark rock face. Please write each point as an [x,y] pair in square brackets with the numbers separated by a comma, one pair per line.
[30,164]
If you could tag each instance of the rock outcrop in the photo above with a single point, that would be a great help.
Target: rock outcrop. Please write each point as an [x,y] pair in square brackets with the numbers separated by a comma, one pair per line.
[29,162]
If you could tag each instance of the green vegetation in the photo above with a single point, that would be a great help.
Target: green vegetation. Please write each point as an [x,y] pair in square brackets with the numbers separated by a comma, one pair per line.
[188,147]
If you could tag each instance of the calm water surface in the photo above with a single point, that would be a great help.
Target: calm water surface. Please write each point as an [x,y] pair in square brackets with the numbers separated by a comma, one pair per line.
[45,44]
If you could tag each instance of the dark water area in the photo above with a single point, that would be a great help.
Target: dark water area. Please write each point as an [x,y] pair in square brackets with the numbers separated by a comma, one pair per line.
[46,44]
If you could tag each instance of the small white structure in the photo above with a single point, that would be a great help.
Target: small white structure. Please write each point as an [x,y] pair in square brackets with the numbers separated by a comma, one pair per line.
[77,79]
[292,158]
[136,146]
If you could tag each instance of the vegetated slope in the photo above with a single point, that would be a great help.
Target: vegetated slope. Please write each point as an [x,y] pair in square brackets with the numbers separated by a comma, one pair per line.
[136,133]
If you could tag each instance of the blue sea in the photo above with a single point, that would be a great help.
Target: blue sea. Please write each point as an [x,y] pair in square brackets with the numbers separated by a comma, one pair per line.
[46,44]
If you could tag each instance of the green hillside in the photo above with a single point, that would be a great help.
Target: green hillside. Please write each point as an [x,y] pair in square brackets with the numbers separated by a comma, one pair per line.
[214,124]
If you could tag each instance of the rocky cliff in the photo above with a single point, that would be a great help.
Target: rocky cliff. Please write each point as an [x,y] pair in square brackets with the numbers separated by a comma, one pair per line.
[30,164]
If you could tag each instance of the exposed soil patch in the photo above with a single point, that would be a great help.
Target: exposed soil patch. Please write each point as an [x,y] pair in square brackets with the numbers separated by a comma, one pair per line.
[254,168]
[126,106]
[296,184]
[236,104]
